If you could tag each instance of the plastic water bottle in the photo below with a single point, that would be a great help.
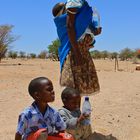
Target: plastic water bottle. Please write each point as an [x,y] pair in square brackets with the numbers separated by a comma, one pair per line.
[96,18]
[86,109]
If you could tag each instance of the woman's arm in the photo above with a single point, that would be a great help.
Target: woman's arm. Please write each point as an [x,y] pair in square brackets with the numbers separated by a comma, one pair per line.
[70,26]
[72,34]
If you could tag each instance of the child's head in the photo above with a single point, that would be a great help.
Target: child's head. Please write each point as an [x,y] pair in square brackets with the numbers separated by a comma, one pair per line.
[41,89]
[58,9]
[71,98]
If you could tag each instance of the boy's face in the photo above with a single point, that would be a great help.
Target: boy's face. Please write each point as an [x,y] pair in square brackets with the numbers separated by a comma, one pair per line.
[73,102]
[46,93]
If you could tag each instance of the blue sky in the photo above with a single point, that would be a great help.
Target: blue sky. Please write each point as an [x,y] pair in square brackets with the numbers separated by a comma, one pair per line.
[33,21]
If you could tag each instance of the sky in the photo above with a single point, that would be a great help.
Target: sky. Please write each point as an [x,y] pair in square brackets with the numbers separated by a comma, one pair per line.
[33,22]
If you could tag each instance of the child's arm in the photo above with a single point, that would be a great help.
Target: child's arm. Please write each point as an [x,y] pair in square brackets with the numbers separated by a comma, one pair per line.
[18,136]
[81,118]
[22,123]
[59,123]
[70,121]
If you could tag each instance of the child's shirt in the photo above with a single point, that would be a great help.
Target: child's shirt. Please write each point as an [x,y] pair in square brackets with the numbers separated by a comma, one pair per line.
[31,119]
[70,117]
[78,130]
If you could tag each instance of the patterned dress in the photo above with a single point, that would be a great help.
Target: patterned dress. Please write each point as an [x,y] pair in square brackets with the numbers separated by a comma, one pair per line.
[84,77]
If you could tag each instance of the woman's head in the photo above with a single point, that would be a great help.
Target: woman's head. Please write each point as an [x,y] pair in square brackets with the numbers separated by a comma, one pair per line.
[71,98]
[58,9]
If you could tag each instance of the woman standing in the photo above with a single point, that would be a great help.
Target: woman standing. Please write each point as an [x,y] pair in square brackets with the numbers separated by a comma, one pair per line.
[77,68]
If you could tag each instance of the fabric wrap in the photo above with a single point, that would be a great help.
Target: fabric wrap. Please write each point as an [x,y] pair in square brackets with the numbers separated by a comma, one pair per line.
[83,20]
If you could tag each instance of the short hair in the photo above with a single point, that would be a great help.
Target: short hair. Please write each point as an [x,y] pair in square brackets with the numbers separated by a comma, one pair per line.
[57,8]
[34,85]
[69,92]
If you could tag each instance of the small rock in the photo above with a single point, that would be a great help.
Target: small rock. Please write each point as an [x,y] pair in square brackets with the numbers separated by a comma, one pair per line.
[110,122]
[138,67]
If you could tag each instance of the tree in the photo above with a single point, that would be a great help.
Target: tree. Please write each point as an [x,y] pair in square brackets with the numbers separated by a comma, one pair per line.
[95,54]
[113,55]
[105,54]
[32,55]
[22,54]
[42,54]
[12,54]
[137,53]
[6,38]
[126,54]
[53,48]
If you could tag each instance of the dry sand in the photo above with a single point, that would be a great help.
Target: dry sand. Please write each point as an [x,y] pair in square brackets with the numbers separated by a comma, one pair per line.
[116,109]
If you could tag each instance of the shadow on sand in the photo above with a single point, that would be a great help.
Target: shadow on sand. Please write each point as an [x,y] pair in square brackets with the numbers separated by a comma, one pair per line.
[16,64]
[99,136]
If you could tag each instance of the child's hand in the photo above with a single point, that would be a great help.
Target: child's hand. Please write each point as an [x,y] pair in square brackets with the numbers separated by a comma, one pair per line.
[86,115]
[82,117]
[98,31]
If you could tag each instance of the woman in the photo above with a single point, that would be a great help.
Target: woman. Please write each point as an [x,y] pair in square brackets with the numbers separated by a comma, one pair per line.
[77,68]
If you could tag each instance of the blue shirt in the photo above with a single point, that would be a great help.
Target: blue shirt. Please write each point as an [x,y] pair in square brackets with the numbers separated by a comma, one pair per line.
[31,119]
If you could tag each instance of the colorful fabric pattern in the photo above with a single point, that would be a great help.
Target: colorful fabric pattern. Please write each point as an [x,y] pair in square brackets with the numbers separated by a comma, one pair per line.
[31,119]
[83,77]
[85,12]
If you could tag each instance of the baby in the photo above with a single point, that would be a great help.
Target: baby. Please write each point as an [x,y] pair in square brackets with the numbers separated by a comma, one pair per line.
[88,36]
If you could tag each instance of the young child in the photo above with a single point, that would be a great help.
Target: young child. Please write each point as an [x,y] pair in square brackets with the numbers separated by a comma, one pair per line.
[39,115]
[72,116]
[88,36]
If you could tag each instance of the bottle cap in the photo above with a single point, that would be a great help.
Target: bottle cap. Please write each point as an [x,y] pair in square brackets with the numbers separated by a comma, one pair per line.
[86,98]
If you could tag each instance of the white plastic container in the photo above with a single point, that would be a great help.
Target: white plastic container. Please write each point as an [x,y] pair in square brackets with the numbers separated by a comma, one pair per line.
[86,109]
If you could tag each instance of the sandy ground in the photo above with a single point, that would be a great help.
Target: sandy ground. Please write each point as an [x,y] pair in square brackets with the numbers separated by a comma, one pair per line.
[116,109]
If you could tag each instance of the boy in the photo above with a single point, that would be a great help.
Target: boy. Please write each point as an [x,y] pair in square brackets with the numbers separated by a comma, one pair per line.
[72,116]
[39,115]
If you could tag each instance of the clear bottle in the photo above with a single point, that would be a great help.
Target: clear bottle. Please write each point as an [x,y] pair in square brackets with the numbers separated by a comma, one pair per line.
[96,18]
[86,109]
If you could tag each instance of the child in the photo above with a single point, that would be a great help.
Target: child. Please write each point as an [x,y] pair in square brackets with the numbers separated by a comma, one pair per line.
[39,115]
[88,36]
[72,116]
